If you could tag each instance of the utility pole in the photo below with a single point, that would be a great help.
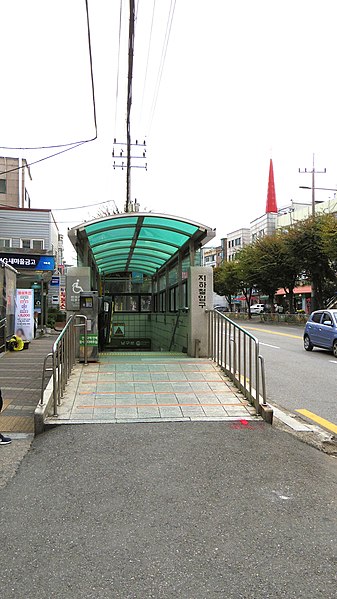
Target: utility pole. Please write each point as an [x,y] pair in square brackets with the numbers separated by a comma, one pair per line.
[312,172]
[124,160]
[314,299]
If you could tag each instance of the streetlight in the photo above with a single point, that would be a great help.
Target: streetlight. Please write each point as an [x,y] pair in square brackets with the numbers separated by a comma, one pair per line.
[324,188]
[314,201]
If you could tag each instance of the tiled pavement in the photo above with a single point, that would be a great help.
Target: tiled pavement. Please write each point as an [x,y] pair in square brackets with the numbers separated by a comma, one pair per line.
[20,381]
[138,387]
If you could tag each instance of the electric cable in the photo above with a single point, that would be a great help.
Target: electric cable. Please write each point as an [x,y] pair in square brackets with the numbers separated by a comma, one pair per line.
[73,144]
[119,52]
[162,61]
[148,59]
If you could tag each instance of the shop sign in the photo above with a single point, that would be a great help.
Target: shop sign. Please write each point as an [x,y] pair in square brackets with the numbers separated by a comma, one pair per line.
[55,281]
[29,261]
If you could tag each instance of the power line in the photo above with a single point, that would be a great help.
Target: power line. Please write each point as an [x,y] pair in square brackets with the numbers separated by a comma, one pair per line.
[70,208]
[119,51]
[162,60]
[74,144]
[148,57]
[17,168]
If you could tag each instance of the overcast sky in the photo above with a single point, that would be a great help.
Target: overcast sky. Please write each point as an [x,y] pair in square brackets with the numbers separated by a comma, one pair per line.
[241,82]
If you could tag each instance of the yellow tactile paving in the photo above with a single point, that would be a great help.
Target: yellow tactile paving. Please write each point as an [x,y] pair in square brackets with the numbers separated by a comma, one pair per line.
[16,424]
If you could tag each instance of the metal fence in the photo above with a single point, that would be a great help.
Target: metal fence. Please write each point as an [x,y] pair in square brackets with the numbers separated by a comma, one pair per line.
[63,358]
[3,335]
[237,352]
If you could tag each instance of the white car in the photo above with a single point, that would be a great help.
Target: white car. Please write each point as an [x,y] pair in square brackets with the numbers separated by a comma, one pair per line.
[257,309]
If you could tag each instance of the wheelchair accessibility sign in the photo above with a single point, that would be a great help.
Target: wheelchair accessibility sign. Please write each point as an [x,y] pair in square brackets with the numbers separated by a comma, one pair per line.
[118,330]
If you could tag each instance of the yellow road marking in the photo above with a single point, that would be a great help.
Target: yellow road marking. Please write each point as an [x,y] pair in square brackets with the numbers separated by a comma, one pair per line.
[275,333]
[325,423]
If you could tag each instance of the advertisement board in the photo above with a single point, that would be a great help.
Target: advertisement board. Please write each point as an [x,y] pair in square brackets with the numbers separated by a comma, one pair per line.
[24,316]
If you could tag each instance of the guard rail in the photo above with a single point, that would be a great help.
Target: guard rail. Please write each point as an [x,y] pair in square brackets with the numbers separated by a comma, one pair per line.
[237,352]
[63,358]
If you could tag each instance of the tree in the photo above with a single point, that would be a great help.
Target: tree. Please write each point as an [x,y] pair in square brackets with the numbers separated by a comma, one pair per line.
[268,265]
[226,281]
[246,266]
[306,241]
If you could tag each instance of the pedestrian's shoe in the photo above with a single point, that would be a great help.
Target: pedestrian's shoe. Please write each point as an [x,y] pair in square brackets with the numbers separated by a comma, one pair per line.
[5,440]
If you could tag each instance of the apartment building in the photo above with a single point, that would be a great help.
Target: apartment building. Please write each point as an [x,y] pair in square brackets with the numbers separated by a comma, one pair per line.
[236,240]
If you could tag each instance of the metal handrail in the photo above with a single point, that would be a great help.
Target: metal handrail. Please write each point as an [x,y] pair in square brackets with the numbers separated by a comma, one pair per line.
[237,352]
[3,326]
[63,358]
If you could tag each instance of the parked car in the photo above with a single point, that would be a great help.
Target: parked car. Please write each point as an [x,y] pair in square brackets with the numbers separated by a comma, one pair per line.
[257,308]
[321,331]
[221,308]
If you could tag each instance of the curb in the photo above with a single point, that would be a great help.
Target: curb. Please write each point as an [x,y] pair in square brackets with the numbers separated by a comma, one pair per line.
[43,410]
[311,434]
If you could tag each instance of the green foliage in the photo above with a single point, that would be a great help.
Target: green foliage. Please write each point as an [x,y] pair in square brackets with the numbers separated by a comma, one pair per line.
[306,251]
[226,280]
[55,315]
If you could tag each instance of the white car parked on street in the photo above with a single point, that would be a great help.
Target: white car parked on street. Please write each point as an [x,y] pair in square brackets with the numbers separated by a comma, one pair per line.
[257,308]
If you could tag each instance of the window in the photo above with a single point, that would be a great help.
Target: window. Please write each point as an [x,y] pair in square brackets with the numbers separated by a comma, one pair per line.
[327,318]
[173,299]
[37,244]
[3,186]
[317,317]
[162,301]
[238,241]
[5,243]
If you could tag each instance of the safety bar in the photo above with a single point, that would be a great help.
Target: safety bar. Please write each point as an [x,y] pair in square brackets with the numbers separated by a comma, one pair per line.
[2,335]
[63,357]
[237,352]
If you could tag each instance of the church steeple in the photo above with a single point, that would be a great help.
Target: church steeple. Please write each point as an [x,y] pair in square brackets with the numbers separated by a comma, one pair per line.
[271,205]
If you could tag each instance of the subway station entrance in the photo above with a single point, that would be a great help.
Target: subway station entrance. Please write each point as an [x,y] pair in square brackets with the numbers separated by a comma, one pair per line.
[154,348]
[153,293]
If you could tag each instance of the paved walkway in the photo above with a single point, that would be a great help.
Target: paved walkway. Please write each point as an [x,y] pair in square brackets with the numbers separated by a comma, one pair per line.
[150,387]
[20,381]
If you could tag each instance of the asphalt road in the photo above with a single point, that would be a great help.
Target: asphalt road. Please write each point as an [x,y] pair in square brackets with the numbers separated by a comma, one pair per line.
[174,510]
[296,379]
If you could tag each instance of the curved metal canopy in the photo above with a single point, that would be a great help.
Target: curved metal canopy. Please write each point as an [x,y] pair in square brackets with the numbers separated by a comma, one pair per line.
[139,242]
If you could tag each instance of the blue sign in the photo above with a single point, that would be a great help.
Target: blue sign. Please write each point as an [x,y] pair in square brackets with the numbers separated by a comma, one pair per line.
[46,263]
[137,277]
[55,281]
[29,261]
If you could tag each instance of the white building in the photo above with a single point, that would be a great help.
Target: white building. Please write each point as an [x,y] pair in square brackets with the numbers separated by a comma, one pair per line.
[236,240]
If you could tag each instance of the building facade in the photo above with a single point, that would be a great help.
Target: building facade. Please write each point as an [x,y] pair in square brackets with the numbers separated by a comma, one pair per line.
[236,240]
[13,174]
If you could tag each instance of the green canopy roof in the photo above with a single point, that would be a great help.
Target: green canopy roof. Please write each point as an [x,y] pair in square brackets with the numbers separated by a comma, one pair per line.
[140,242]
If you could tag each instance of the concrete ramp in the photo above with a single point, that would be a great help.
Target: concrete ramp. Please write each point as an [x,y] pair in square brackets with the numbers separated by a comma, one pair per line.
[150,387]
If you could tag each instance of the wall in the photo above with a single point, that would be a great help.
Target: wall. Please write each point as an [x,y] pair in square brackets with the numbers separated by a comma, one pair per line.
[167,331]
[26,224]
[170,332]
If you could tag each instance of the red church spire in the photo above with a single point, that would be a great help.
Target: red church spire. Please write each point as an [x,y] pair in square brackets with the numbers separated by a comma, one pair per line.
[271,205]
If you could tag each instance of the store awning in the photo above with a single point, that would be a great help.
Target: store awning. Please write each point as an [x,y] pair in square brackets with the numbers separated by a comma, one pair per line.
[138,242]
[297,290]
